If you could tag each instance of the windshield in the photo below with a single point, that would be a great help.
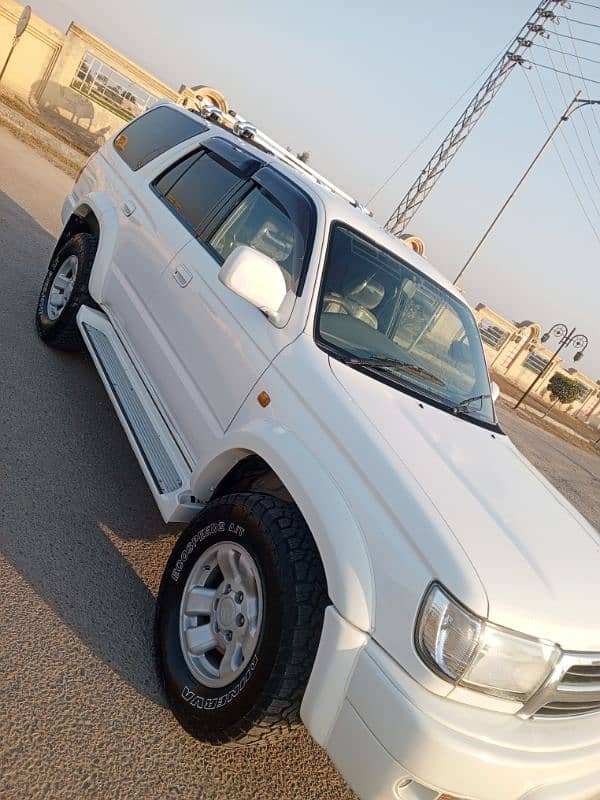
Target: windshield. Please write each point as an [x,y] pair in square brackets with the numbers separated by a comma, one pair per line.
[380,314]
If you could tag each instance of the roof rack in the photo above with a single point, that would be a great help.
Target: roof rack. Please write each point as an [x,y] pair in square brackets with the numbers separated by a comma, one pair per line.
[246,130]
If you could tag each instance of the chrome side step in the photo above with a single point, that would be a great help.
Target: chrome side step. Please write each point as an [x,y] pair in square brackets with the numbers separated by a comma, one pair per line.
[162,463]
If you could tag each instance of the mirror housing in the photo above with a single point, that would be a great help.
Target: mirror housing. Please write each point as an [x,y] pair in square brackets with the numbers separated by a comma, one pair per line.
[495,391]
[255,277]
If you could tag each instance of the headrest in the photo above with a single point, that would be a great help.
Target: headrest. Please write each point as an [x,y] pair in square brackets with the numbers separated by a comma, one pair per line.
[274,241]
[368,293]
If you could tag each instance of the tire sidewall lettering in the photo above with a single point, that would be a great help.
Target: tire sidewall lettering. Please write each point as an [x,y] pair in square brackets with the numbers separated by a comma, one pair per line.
[212,529]
[213,703]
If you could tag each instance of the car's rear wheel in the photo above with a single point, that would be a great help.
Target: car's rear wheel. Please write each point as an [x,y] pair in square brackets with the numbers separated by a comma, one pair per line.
[239,616]
[64,291]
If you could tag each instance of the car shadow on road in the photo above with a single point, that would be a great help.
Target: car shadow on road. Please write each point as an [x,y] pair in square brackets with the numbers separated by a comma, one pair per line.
[73,501]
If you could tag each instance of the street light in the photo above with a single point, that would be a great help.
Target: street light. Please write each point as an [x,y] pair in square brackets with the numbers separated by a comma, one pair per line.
[575,103]
[566,337]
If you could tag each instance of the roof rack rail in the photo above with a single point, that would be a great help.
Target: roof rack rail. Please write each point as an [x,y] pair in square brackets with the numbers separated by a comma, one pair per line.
[246,130]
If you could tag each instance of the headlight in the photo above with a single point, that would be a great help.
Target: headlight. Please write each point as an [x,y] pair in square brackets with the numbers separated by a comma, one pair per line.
[471,652]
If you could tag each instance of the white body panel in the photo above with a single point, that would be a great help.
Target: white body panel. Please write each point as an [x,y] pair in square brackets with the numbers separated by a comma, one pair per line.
[199,382]
[502,513]
[396,493]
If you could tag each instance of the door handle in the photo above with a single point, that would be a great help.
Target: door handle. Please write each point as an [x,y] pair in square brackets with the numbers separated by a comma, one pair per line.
[128,208]
[182,275]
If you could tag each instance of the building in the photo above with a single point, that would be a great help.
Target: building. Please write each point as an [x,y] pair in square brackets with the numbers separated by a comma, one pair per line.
[78,84]
[514,351]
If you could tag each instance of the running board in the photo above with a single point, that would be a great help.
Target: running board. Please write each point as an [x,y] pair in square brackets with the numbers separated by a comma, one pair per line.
[162,463]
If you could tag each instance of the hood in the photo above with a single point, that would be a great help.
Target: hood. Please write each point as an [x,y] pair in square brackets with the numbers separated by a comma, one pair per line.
[536,556]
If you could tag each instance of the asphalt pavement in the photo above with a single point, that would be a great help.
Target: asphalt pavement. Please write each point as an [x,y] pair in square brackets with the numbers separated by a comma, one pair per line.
[82,549]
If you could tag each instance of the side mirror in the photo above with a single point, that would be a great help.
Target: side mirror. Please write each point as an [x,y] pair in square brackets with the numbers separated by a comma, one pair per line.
[255,277]
[495,391]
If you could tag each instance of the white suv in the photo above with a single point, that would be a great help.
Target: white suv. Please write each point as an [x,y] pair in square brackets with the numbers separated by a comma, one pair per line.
[366,549]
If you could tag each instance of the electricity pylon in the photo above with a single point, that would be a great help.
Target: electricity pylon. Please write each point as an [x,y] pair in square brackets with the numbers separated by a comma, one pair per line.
[432,171]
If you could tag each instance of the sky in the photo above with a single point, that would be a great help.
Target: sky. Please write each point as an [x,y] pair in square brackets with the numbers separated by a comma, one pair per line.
[358,84]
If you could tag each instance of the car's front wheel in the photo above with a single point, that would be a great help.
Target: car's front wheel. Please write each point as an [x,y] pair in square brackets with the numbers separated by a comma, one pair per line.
[239,616]
[64,291]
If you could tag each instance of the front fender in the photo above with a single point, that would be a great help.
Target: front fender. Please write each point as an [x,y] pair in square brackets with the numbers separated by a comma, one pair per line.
[338,536]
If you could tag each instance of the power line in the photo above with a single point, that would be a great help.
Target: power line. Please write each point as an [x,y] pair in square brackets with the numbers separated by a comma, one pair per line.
[580,3]
[553,69]
[580,143]
[560,158]
[594,109]
[579,21]
[568,144]
[570,77]
[574,38]
[581,58]
[562,162]
[583,116]
[434,127]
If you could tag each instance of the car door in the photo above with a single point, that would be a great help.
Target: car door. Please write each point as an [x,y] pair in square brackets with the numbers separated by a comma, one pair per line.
[216,344]
[146,237]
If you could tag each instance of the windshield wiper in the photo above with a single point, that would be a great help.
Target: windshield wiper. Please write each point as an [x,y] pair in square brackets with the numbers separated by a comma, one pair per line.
[464,404]
[390,364]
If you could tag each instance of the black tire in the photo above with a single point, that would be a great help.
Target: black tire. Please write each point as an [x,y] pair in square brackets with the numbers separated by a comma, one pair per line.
[264,700]
[62,332]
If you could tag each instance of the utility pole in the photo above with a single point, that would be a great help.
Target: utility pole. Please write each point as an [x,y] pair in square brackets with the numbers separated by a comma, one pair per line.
[432,171]
[573,106]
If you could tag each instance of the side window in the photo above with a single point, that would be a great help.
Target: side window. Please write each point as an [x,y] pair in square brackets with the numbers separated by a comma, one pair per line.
[154,133]
[168,179]
[194,187]
[259,222]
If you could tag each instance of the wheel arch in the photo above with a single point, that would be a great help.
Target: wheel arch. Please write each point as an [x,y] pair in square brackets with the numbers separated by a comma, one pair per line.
[287,469]
[252,473]
[82,220]
[95,214]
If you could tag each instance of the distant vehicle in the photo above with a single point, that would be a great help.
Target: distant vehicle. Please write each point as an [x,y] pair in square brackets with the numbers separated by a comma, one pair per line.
[366,550]
[129,103]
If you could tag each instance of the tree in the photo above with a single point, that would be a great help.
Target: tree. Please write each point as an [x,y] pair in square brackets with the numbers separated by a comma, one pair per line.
[563,390]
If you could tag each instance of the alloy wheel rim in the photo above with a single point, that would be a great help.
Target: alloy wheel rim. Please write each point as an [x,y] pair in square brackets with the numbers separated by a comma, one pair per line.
[61,287]
[221,614]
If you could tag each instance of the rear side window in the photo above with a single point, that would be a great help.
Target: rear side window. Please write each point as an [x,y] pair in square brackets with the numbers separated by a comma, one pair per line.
[196,186]
[155,132]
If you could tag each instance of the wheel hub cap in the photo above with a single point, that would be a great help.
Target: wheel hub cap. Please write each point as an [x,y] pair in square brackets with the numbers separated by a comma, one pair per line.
[221,614]
[61,287]
[226,613]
